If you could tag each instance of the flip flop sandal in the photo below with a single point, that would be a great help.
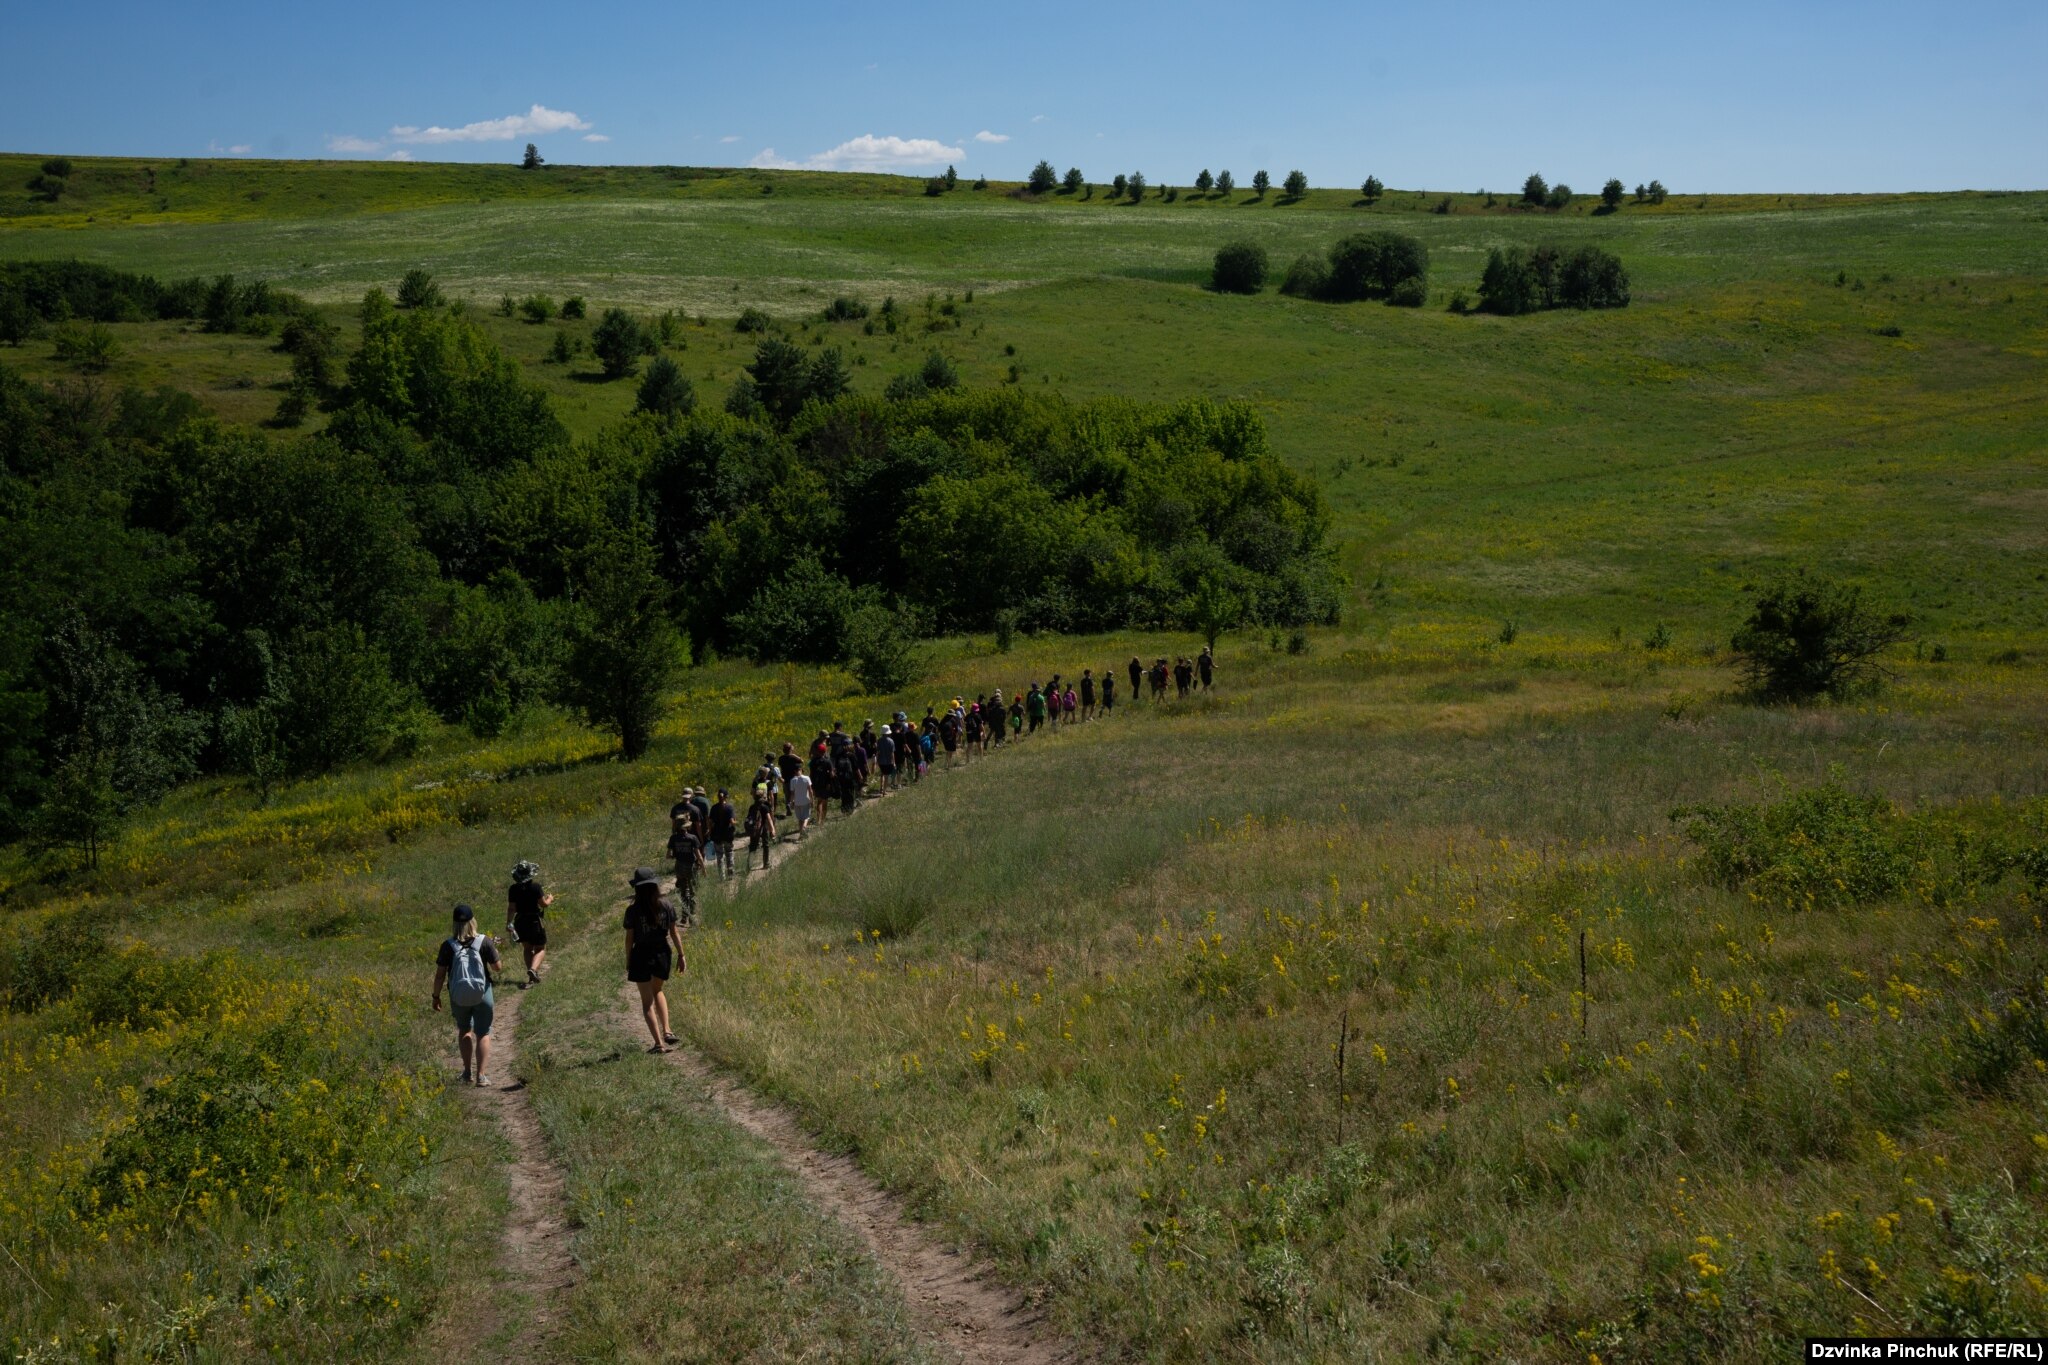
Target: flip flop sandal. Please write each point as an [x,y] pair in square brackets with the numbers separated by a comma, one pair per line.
[670,1039]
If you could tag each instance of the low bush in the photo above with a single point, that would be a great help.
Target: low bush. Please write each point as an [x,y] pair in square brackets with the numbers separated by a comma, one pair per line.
[1809,637]
[844,309]
[1821,849]
[1308,277]
[752,320]
[1239,268]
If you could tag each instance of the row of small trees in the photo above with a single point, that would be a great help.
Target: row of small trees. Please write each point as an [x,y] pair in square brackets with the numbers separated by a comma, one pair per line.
[1395,267]
[1524,280]
[1045,180]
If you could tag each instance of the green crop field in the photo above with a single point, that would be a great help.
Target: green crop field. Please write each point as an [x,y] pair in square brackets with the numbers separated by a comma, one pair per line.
[1603,1093]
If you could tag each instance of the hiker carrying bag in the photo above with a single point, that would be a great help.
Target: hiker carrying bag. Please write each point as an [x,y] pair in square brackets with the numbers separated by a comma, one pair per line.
[468,981]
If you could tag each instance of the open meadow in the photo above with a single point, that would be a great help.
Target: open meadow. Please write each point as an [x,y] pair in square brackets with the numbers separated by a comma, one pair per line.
[1383,1003]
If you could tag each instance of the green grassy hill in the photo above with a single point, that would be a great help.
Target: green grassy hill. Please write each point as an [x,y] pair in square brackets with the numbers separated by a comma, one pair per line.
[1082,1003]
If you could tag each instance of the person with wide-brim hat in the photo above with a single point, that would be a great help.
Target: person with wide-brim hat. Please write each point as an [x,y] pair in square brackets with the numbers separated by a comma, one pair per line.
[654,948]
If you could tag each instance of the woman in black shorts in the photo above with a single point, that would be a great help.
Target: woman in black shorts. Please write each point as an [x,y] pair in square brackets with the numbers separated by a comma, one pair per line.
[526,906]
[654,946]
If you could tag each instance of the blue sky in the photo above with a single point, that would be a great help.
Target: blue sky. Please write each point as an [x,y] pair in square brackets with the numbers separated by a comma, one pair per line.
[1807,95]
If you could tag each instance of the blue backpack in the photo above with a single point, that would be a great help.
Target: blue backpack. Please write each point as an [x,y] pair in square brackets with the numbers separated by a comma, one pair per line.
[468,979]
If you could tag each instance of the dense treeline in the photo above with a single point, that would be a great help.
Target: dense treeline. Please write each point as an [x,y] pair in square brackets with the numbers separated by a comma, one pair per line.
[34,293]
[180,596]
[1522,280]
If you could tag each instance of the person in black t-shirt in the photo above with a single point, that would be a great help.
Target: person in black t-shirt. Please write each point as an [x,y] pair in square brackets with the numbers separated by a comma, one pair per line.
[526,905]
[1137,672]
[760,829]
[723,821]
[654,948]
[464,965]
[687,851]
[1087,693]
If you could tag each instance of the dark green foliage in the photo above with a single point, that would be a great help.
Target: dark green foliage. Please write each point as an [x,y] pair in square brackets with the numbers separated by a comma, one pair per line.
[1043,179]
[1371,190]
[664,390]
[881,647]
[418,290]
[952,178]
[844,309]
[935,187]
[1118,186]
[1518,280]
[1412,292]
[561,350]
[90,348]
[1224,183]
[572,307]
[981,182]
[1825,848]
[1611,195]
[1308,277]
[1809,637]
[1656,192]
[1071,182]
[802,612]
[1261,182]
[59,166]
[1296,184]
[1370,265]
[752,320]
[622,651]
[532,160]
[1560,196]
[935,375]
[1535,190]
[1204,182]
[618,341]
[1135,186]
[1239,268]
[535,308]
[337,701]
[81,810]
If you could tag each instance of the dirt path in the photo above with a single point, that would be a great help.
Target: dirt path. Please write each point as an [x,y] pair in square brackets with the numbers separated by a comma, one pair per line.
[955,1300]
[537,1239]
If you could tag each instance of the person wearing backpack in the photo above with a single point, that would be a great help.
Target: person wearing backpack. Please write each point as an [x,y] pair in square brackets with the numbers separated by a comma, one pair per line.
[526,907]
[654,948]
[464,967]
[686,850]
[723,832]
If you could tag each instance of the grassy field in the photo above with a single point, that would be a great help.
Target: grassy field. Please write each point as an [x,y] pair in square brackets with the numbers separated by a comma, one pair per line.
[1081,1004]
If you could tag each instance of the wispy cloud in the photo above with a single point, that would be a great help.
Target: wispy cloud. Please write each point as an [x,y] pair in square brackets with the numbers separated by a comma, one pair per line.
[730,137]
[986,136]
[1038,118]
[400,155]
[596,137]
[349,142]
[767,160]
[534,122]
[239,149]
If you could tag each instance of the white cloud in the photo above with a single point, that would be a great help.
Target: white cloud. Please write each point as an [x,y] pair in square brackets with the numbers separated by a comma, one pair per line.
[767,160]
[349,142]
[533,123]
[400,155]
[239,149]
[870,153]
[730,137]
[986,136]
[1038,118]
[595,137]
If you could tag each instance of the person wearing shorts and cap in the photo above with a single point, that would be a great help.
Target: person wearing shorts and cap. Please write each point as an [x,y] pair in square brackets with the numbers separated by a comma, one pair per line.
[526,907]
[464,966]
[654,948]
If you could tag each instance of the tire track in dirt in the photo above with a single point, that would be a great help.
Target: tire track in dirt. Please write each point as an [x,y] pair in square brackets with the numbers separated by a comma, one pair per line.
[954,1297]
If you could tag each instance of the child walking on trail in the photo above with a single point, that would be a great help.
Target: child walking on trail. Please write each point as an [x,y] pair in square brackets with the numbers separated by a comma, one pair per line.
[464,966]
[526,907]
[654,948]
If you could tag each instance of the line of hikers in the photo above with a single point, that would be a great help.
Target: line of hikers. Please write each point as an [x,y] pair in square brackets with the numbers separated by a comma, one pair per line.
[704,833]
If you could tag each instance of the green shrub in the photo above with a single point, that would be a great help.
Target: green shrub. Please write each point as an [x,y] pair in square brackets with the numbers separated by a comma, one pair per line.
[1240,268]
[1412,292]
[537,308]
[844,309]
[883,649]
[752,320]
[572,307]
[1809,636]
[1308,277]
[1824,848]
[45,966]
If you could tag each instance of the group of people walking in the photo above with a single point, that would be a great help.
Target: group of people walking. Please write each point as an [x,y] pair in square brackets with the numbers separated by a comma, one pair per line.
[705,833]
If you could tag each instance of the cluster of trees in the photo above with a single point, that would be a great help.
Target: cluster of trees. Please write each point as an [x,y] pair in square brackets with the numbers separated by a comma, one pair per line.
[179,596]
[1523,280]
[1536,193]
[49,183]
[1364,265]
[1044,180]
[37,293]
